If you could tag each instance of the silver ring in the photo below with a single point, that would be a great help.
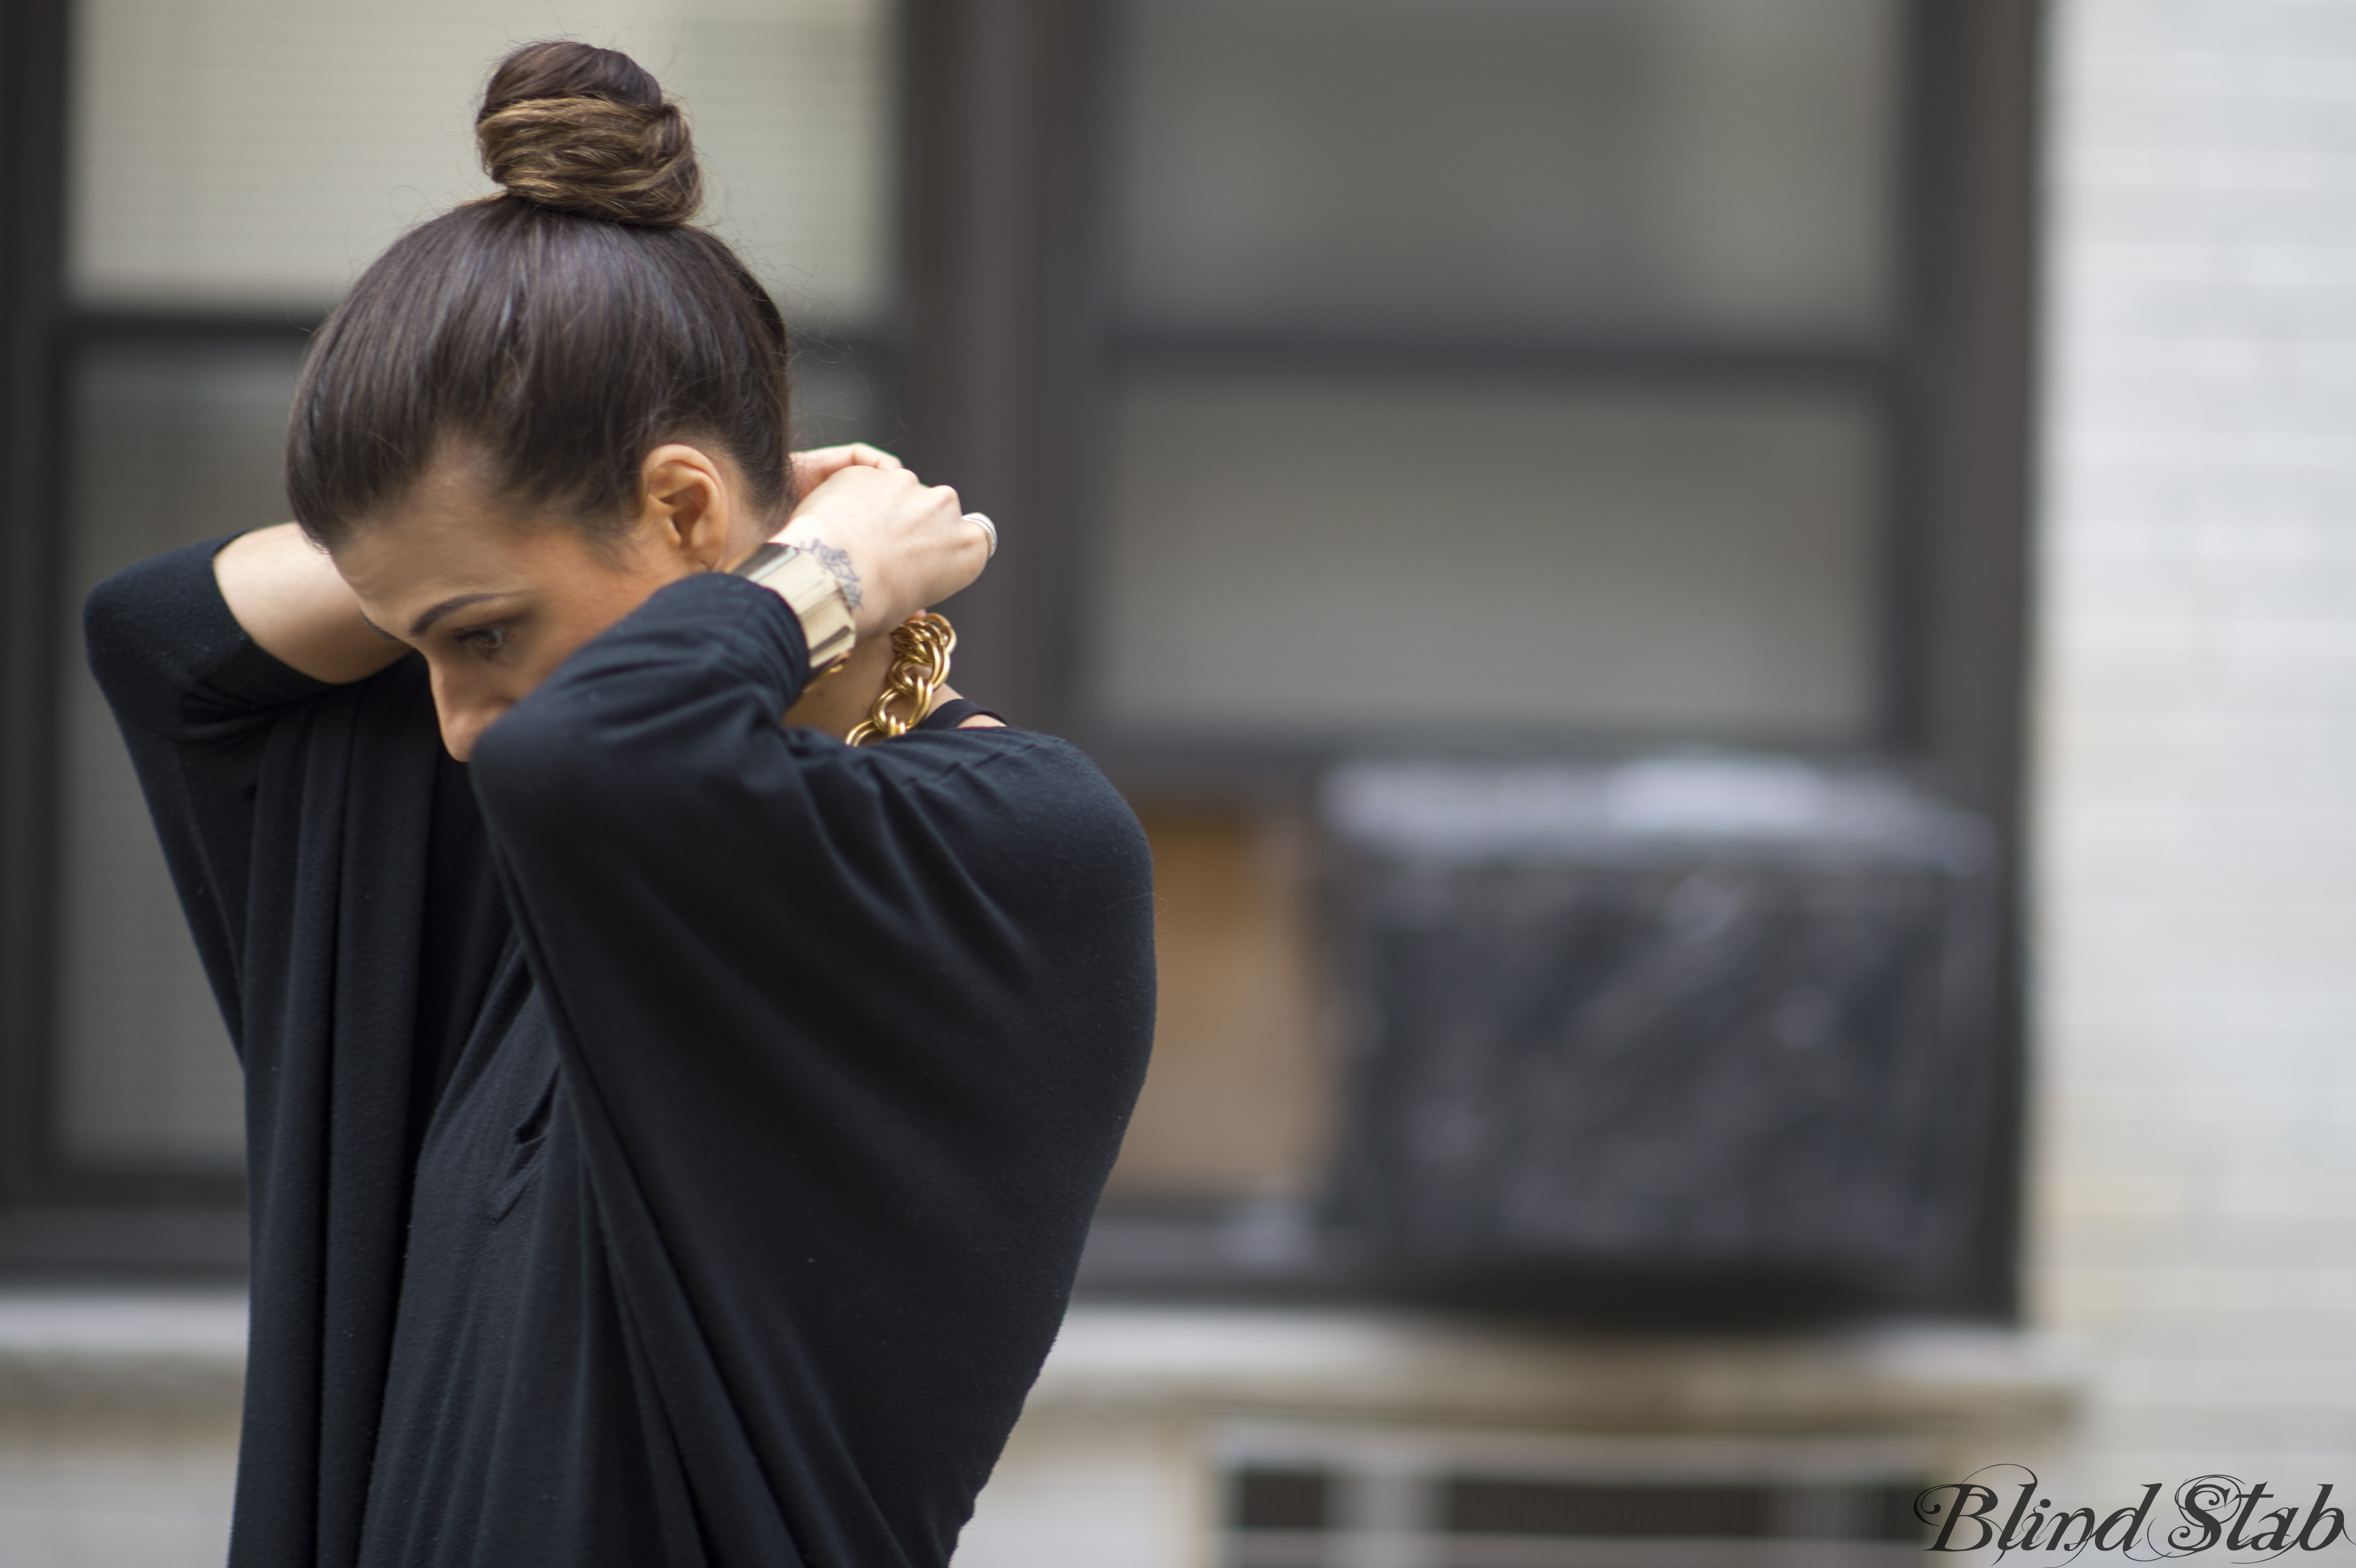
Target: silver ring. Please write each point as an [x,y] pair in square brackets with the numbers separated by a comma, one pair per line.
[986,526]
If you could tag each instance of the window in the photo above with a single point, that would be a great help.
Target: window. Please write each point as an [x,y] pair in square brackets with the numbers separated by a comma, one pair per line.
[1492,378]
[1484,366]
[222,170]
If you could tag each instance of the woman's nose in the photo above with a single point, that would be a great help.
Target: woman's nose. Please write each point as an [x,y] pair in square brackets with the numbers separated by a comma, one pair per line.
[458,735]
[462,724]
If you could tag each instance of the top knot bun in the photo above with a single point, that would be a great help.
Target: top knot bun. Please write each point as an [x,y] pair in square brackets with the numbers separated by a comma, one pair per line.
[586,130]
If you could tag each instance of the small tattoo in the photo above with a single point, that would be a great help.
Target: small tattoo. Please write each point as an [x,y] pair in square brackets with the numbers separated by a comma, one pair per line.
[837,562]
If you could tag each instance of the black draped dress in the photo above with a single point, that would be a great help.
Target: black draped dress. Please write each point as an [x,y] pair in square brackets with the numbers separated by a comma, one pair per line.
[671,1137]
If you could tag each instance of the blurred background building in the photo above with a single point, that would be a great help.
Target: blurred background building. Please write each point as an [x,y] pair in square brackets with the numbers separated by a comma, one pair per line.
[1734,622]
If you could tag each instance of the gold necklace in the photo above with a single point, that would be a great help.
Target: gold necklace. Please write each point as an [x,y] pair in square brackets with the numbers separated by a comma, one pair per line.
[921,646]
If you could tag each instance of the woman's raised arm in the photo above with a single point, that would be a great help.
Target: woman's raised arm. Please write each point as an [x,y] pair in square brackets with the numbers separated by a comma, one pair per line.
[286,594]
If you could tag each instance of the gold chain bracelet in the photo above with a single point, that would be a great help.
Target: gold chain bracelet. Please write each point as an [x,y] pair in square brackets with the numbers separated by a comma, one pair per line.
[921,646]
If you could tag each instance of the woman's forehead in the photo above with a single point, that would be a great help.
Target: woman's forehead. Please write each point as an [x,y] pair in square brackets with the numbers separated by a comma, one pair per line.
[450,539]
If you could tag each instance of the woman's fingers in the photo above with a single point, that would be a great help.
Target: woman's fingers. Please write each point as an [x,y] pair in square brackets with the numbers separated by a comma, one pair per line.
[908,543]
[958,550]
[814,467]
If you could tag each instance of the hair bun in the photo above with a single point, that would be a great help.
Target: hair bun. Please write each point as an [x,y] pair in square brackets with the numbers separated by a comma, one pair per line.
[586,130]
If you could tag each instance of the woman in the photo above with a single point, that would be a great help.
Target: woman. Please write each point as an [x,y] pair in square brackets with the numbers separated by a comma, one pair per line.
[672,1130]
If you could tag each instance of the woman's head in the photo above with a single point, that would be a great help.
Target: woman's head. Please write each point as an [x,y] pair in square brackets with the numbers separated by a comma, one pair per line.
[552,334]
[547,403]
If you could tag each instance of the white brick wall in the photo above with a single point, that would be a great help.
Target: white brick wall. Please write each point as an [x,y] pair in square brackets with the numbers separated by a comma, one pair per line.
[2194,938]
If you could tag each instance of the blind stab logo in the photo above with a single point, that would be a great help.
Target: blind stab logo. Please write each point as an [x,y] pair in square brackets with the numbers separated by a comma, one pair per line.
[2219,1512]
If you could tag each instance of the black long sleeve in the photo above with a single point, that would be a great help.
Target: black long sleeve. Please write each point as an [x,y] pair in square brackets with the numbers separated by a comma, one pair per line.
[730,1221]
[323,846]
[196,702]
[850,1034]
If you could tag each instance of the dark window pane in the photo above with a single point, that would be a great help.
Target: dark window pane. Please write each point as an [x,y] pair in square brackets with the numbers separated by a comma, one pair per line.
[1665,165]
[174,442]
[1321,556]
[1889,1513]
[1478,1507]
[1281,1499]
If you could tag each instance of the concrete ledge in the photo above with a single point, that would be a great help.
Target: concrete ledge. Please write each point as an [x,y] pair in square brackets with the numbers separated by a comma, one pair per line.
[161,1349]
[1374,1365]
[118,1425]
[150,1353]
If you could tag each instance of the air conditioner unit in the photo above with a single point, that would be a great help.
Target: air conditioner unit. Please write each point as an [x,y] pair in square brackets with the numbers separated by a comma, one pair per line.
[1689,1019]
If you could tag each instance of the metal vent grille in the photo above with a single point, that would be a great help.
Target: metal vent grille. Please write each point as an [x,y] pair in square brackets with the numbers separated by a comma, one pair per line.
[1388,1500]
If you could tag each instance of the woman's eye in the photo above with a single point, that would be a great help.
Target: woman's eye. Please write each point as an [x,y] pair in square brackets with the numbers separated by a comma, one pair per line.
[483,641]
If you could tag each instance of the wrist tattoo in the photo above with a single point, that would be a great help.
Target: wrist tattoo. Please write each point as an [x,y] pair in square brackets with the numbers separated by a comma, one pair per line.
[837,562]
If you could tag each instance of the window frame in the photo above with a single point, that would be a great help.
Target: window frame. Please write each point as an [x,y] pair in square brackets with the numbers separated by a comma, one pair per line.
[32,121]
[1005,303]
[57,1216]
[52,1218]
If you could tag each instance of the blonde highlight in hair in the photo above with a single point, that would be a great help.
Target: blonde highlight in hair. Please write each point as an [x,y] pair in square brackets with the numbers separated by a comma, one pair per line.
[625,162]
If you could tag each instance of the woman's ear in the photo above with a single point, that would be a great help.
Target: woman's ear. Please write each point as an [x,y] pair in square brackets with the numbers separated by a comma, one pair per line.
[689,505]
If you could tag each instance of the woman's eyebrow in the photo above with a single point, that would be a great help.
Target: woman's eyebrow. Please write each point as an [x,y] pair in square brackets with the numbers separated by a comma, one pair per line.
[424,623]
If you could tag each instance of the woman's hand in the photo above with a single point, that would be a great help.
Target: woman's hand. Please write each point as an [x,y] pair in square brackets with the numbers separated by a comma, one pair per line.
[897,543]
[820,464]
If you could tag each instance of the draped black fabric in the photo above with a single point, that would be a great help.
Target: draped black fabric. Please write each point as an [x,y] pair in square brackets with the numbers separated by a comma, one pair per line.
[670,1138]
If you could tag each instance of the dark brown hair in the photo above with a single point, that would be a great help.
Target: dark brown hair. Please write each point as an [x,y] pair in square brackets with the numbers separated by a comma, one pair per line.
[562,328]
